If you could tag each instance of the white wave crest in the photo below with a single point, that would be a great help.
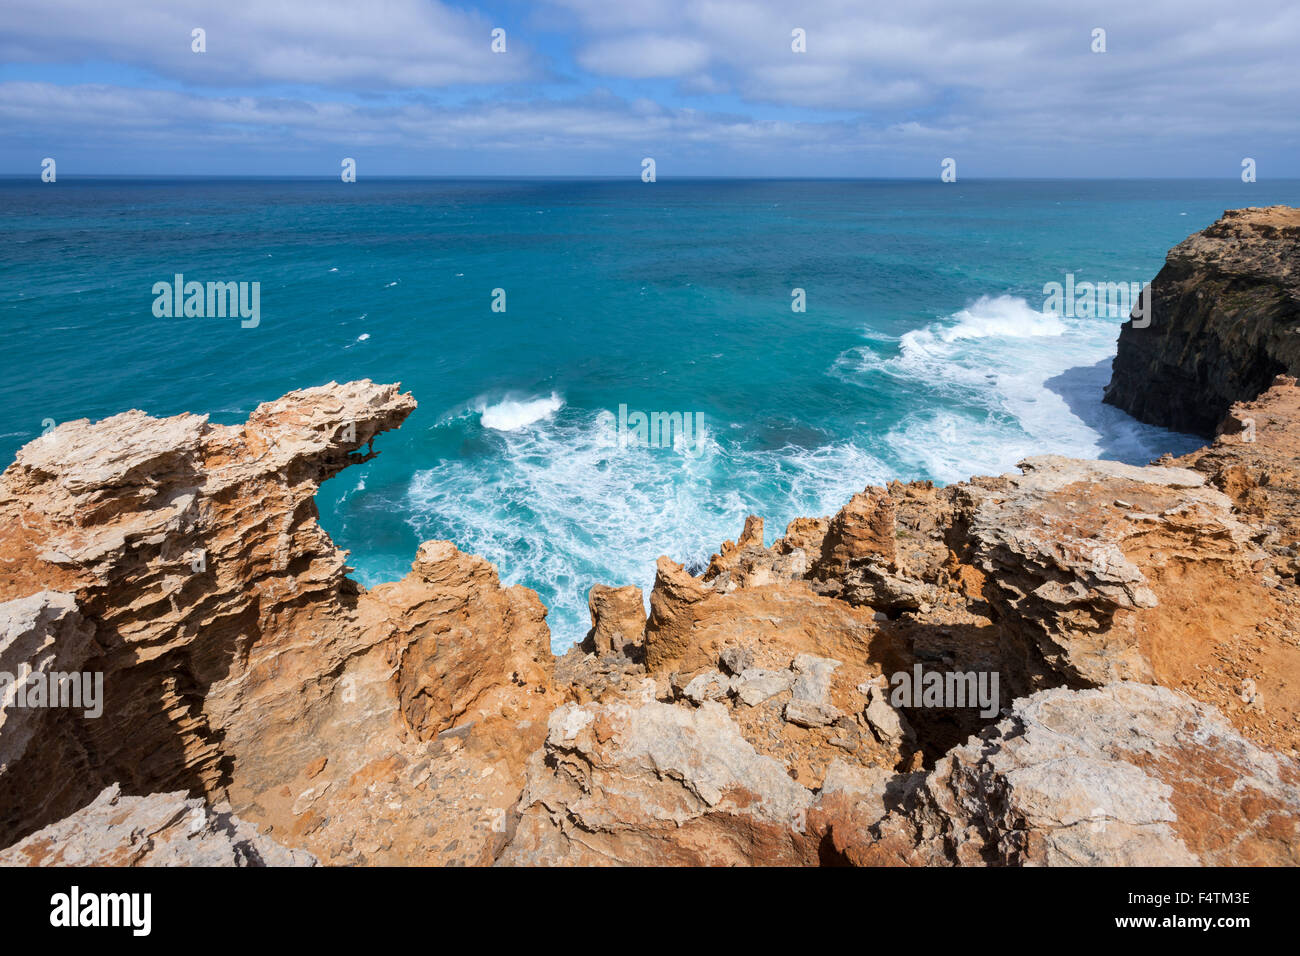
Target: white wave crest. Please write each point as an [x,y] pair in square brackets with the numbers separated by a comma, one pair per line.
[563,507]
[1002,316]
[982,389]
[510,414]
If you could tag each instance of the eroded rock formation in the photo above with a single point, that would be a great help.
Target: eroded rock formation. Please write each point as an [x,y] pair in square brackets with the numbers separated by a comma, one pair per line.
[1117,647]
[239,661]
[1126,774]
[1224,319]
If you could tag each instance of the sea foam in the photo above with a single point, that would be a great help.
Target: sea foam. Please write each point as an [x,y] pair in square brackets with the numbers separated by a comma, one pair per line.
[510,414]
[989,392]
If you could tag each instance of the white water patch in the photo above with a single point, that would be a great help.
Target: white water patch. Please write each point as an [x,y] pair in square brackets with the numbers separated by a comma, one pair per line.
[1003,316]
[557,509]
[560,506]
[805,482]
[360,487]
[999,381]
[553,501]
[511,414]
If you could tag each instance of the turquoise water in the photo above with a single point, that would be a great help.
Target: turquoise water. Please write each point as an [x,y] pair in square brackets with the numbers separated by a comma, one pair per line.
[923,352]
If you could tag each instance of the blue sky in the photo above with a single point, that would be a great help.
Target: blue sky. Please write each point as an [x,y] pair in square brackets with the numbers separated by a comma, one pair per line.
[707,88]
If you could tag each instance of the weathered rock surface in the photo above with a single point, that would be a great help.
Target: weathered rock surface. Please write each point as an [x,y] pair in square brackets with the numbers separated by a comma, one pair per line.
[617,620]
[240,662]
[647,783]
[458,632]
[1224,320]
[163,829]
[1143,624]
[43,634]
[1126,774]
[1075,554]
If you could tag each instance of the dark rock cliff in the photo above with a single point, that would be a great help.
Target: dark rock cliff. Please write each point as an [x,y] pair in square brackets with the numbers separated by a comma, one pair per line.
[1224,320]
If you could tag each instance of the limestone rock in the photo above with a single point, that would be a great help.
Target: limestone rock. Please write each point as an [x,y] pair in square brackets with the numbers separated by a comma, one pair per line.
[239,660]
[1225,312]
[42,634]
[735,660]
[810,704]
[617,620]
[863,530]
[887,724]
[1069,572]
[808,713]
[655,784]
[162,829]
[757,685]
[1127,774]
[710,685]
[462,639]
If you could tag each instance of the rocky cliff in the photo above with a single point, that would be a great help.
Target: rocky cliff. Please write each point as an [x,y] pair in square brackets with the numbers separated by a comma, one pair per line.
[1132,634]
[184,562]
[1224,319]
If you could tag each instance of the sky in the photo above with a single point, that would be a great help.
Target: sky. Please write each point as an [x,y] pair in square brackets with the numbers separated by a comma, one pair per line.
[1184,88]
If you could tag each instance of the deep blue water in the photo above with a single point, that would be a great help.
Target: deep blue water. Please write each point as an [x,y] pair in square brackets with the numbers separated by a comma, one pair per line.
[923,352]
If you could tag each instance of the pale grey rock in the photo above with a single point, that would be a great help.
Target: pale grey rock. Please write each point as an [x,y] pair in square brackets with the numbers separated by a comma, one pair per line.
[162,829]
[45,634]
[810,705]
[757,685]
[653,783]
[809,714]
[1124,775]
[711,685]
[887,725]
[812,681]
[735,660]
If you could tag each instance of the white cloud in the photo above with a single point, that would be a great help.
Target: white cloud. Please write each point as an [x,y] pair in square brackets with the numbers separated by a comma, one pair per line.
[936,54]
[645,55]
[920,80]
[335,43]
[120,115]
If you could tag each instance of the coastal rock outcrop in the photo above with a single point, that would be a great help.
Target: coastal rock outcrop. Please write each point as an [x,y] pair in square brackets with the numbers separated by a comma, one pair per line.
[1126,774]
[1077,556]
[456,632]
[648,783]
[1115,653]
[239,661]
[617,620]
[1223,320]
[749,719]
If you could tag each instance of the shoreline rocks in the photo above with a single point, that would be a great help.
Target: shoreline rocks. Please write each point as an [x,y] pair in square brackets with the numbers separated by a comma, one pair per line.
[1224,321]
[1144,623]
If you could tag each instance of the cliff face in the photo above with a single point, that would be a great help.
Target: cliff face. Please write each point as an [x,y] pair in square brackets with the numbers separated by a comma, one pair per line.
[1132,635]
[1146,639]
[184,562]
[1224,320]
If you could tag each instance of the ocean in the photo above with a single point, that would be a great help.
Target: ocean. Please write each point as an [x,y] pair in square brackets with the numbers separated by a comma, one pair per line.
[530,317]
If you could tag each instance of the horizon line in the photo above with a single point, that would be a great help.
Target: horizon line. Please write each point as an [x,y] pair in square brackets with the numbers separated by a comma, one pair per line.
[632,177]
